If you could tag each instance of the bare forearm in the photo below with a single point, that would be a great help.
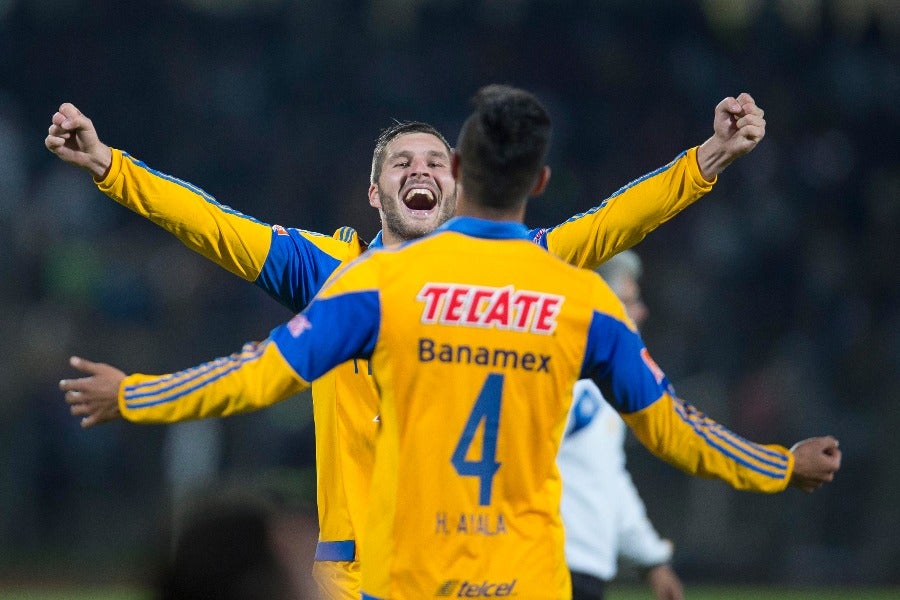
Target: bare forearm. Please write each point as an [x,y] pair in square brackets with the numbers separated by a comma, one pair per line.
[99,162]
[712,158]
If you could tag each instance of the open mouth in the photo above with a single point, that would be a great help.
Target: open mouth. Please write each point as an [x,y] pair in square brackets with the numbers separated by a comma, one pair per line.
[419,199]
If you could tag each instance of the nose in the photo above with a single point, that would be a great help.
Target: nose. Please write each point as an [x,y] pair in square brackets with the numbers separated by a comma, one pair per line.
[419,167]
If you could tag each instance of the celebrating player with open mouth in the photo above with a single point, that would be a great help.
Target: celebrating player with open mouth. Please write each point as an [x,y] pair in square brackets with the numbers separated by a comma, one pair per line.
[413,188]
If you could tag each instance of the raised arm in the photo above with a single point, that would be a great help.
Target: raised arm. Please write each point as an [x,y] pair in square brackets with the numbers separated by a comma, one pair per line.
[625,218]
[289,264]
[237,243]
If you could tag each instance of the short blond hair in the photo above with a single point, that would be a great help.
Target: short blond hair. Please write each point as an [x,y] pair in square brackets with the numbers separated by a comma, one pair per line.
[624,264]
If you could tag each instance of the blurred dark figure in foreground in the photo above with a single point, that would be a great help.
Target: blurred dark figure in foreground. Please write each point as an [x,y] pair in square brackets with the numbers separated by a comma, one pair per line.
[237,546]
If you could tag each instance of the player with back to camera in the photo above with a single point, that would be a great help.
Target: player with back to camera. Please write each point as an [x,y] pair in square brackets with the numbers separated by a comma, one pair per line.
[413,190]
[475,337]
[604,516]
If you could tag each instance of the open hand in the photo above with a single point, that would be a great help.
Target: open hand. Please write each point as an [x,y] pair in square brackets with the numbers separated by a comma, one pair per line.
[94,398]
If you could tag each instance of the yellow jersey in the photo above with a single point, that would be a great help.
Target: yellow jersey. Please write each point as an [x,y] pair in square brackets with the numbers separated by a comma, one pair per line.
[292,264]
[475,338]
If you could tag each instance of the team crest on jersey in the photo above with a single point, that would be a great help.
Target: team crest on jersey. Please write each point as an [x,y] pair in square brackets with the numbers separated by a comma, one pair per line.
[651,364]
[504,308]
[298,325]
[279,230]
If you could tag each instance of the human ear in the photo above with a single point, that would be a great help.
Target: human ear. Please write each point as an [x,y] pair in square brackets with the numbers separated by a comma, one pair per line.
[374,196]
[541,184]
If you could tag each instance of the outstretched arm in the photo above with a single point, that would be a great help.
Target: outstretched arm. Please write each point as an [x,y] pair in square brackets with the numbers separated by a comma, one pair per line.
[685,437]
[248,380]
[237,243]
[289,264]
[625,218]
[682,435]
[342,323]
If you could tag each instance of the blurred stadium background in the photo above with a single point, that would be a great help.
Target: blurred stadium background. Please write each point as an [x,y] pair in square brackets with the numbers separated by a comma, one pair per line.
[774,301]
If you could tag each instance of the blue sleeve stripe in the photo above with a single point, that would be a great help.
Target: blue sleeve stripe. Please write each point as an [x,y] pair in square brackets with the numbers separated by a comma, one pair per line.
[755,451]
[618,192]
[344,550]
[779,474]
[249,350]
[190,186]
[778,471]
[346,233]
[758,452]
[199,376]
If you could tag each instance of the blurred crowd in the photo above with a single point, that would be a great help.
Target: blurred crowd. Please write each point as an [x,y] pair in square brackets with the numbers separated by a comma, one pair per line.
[775,299]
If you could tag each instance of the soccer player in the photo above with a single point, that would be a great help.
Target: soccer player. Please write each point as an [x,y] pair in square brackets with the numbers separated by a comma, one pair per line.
[414,191]
[604,516]
[475,338]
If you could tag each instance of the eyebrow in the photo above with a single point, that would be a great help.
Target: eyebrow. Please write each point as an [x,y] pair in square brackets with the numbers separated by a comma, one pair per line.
[408,153]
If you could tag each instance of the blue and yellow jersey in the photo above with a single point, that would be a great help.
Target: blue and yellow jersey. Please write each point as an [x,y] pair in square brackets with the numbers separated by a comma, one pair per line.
[292,265]
[474,361]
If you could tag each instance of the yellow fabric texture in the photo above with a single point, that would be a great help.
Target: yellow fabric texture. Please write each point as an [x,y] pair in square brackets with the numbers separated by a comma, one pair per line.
[345,436]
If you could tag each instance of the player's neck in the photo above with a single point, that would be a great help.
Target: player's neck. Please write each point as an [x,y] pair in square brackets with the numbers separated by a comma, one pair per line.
[467,208]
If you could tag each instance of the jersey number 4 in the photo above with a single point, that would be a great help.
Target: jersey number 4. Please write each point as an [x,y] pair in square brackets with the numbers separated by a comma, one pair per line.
[486,410]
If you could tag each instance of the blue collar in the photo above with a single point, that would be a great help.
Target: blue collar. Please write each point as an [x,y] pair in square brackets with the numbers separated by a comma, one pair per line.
[377,242]
[485,228]
[475,227]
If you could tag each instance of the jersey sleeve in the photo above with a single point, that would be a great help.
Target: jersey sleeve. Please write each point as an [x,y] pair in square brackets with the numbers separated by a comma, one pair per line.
[227,237]
[288,264]
[670,428]
[342,324]
[686,438]
[625,218]
[256,377]
[300,262]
